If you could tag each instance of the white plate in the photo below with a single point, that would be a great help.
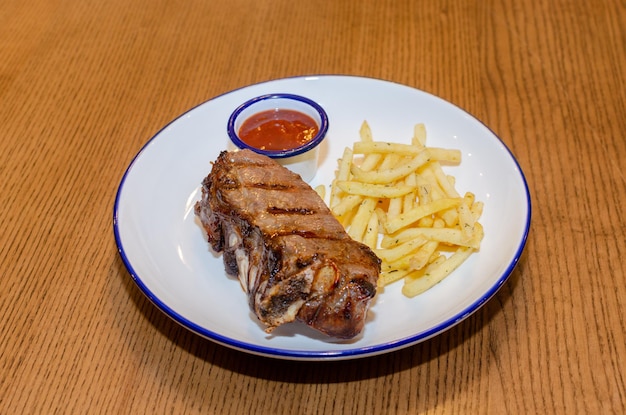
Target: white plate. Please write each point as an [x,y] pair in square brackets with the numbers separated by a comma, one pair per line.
[169,258]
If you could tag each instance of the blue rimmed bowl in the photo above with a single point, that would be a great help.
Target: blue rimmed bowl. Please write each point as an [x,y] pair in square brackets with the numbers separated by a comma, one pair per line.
[301,159]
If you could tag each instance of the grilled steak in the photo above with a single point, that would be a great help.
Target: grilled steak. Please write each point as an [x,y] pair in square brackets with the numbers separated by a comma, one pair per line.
[293,259]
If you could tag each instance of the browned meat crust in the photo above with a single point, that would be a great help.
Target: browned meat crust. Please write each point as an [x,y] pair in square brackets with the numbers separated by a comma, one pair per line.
[293,258]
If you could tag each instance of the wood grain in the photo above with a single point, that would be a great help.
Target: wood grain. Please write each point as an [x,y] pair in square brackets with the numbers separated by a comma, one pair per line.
[84,85]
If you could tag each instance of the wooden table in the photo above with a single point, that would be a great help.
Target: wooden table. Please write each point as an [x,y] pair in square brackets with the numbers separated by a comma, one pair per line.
[84,85]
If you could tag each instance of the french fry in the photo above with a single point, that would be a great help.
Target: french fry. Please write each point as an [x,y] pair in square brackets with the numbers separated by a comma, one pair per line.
[361,219]
[443,181]
[443,154]
[371,161]
[344,164]
[366,133]
[477,210]
[402,263]
[370,238]
[399,251]
[423,255]
[419,135]
[466,220]
[427,177]
[387,277]
[449,216]
[435,276]
[408,200]
[412,216]
[446,235]
[389,160]
[392,174]
[424,192]
[361,147]
[343,173]
[477,237]
[373,190]
[436,261]
[395,206]
[346,205]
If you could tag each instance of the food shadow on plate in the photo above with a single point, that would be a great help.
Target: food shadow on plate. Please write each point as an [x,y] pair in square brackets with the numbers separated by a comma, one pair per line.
[324,151]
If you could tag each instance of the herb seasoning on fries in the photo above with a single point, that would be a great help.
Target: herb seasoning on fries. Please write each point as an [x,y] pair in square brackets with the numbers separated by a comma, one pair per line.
[401,191]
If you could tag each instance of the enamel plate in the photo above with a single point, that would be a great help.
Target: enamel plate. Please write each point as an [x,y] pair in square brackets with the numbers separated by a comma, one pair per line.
[167,254]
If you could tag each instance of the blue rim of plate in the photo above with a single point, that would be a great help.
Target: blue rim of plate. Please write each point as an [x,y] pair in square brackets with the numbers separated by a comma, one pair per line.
[337,354]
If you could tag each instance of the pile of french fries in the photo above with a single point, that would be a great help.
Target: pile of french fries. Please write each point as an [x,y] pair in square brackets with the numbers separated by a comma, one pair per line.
[397,199]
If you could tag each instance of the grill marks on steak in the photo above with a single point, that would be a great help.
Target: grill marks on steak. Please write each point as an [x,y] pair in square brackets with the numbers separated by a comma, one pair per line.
[293,258]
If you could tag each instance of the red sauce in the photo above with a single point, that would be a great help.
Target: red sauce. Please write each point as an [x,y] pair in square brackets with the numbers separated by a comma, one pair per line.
[278,130]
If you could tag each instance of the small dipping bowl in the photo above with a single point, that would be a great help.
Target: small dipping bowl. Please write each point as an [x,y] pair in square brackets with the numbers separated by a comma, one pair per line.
[301,159]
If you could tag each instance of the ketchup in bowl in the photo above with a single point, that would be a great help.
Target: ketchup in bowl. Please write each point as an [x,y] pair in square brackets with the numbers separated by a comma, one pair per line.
[285,127]
[278,129]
